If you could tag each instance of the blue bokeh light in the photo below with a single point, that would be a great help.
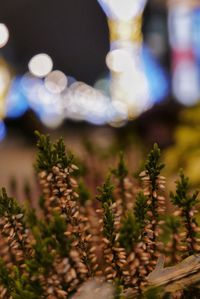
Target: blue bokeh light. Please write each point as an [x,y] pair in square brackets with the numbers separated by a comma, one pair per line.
[157,78]
[16,102]
[3,130]
[196,32]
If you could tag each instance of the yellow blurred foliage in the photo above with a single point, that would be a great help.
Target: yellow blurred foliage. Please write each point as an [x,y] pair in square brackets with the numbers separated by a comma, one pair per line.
[185,153]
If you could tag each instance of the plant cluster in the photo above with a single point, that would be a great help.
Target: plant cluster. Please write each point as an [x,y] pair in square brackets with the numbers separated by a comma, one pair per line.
[113,244]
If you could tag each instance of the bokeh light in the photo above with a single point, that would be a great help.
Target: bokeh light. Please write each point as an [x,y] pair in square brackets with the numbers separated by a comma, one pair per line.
[196,32]
[118,60]
[3,130]
[134,83]
[136,79]
[156,76]
[179,24]
[40,65]
[186,80]
[52,120]
[183,24]
[4,35]
[122,10]
[83,102]
[4,78]
[121,108]
[16,102]
[103,85]
[56,82]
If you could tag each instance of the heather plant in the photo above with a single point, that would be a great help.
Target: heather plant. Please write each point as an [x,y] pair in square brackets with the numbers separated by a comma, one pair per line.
[187,208]
[111,246]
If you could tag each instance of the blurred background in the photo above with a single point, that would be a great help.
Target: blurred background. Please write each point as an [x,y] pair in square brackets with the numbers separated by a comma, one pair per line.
[104,74]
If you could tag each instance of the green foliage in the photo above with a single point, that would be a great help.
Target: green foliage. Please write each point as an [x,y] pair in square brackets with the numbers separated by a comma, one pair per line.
[57,228]
[83,192]
[41,202]
[153,165]
[150,175]
[118,290]
[121,171]
[130,231]
[8,204]
[108,222]
[31,217]
[187,202]
[17,285]
[43,257]
[133,223]
[172,222]
[60,151]
[46,157]
[23,288]
[82,167]
[106,191]
[172,225]
[106,199]
[182,198]
[51,154]
[153,293]
[50,235]
[5,278]
[140,209]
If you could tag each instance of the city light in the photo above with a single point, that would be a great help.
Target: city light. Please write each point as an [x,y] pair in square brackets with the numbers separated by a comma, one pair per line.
[16,101]
[3,130]
[5,78]
[4,35]
[122,10]
[83,102]
[134,83]
[40,65]
[136,79]
[118,60]
[183,24]
[186,80]
[56,82]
